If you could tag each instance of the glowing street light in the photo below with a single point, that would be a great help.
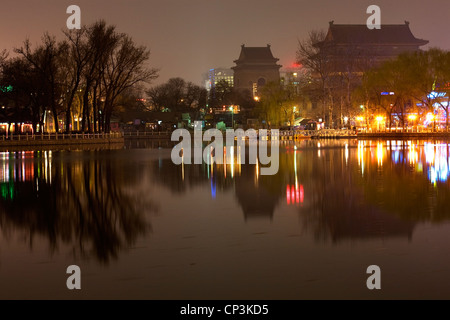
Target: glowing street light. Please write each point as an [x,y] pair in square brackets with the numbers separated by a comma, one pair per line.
[412,118]
[232,116]
[379,119]
[256,98]
[294,110]
[430,117]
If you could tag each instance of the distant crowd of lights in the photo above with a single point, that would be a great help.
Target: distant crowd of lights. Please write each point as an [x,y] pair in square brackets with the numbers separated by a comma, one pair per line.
[21,167]
[432,158]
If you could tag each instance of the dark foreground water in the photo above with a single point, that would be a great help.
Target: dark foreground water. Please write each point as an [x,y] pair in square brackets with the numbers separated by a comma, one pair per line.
[140,227]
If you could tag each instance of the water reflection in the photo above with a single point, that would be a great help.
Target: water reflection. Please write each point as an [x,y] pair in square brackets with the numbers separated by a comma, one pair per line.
[433,157]
[342,189]
[75,199]
[98,202]
[414,184]
[338,205]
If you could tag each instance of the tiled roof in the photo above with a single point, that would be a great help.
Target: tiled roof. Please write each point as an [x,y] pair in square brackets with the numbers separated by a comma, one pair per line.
[388,34]
[256,53]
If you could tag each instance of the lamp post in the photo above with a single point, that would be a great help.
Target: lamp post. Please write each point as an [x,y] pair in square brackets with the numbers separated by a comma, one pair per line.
[346,121]
[412,118]
[379,119]
[366,116]
[294,109]
[232,116]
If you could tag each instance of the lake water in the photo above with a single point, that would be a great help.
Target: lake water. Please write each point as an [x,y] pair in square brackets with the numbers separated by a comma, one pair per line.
[140,227]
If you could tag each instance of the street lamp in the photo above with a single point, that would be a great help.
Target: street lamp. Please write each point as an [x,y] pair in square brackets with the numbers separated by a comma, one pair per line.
[379,120]
[431,118]
[232,116]
[294,109]
[412,118]
[345,121]
[360,121]
[366,115]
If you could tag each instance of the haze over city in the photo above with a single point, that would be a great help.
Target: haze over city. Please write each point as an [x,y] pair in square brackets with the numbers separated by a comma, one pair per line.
[223,150]
[187,38]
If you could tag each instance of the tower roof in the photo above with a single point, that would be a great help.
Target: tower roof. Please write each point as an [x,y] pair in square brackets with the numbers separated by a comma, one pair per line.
[249,54]
[389,34]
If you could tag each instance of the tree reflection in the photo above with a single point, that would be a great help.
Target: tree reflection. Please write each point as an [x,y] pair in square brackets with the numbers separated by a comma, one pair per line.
[339,210]
[347,190]
[77,202]
[413,181]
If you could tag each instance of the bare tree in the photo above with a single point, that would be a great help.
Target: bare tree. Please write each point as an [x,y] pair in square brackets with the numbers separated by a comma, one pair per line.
[177,95]
[74,64]
[45,60]
[309,54]
[124,69]
[102,40]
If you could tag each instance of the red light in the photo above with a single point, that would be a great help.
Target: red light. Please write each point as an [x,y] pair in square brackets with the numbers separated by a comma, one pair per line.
[288,195]
[293,194]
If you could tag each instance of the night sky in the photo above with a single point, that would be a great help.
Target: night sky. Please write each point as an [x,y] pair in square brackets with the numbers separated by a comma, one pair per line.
[187,38]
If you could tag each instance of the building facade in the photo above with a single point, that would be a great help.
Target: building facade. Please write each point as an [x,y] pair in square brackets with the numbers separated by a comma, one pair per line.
[358,48]
[219,74]
[255,67]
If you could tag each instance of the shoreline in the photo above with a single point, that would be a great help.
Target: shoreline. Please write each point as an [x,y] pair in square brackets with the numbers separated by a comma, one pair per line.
[404,135]
[117,141]
[61,140]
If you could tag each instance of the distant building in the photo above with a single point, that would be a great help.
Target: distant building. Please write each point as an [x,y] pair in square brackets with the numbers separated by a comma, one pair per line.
[292,77]
[364,48]
[255,67]
[219,74]
[214,77]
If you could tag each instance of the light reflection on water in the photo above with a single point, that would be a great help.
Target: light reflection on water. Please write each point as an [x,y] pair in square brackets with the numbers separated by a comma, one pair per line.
[433,157]
[207,231]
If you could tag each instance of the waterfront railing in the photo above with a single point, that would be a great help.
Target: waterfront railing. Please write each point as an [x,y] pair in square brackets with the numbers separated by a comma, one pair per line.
[60,136]
[131,134]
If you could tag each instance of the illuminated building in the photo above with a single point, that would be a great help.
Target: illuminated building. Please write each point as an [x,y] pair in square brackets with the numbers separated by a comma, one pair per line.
[219,74]
[292,76]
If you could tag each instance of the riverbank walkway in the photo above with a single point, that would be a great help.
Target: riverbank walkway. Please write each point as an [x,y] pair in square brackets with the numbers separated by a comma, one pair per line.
[56,139]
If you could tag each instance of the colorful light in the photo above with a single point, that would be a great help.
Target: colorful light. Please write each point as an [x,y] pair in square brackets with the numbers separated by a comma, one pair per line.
[288,194]
[295,195]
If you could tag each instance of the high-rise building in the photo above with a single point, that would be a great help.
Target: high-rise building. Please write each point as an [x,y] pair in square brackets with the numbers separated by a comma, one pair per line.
[219,74]
[293,76]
